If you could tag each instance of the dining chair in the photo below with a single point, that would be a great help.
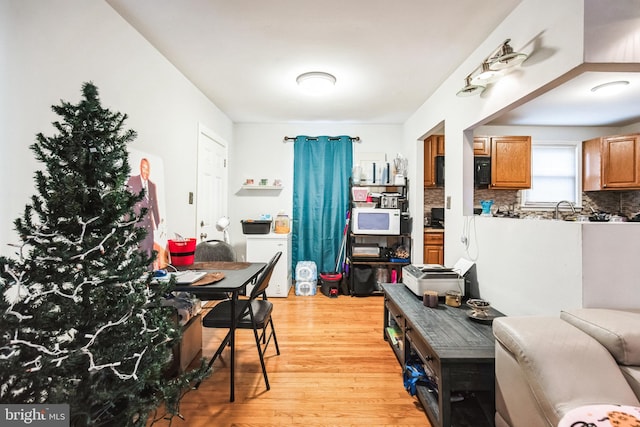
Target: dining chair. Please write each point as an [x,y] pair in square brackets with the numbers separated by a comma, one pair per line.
[214,250]
[211,251]
[253,313]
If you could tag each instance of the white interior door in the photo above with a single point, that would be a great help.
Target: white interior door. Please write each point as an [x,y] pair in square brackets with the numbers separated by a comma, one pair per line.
[211,202]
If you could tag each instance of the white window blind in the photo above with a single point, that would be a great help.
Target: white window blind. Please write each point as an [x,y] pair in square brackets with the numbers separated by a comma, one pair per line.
[555,174]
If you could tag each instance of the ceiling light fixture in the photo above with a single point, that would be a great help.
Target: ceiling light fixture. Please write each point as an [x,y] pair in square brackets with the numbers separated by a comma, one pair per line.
[316,82]
[505,57]
[486,75]
[610,87]
[490,70]
[470,89]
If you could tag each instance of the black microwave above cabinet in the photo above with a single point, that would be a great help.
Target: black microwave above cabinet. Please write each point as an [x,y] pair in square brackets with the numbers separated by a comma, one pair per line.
[482,171]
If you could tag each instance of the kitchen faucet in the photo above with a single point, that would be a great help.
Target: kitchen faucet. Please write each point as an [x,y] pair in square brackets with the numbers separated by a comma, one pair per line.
[573,209]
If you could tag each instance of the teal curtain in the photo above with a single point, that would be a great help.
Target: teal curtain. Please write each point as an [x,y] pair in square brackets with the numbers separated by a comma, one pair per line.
[321,171]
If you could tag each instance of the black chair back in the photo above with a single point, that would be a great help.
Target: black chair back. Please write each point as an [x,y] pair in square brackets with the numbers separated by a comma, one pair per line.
[263,280]
[214,250]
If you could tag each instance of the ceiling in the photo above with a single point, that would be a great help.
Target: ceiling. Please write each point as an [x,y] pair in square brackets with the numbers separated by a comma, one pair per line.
[388,58]
[244,55]
[574,103]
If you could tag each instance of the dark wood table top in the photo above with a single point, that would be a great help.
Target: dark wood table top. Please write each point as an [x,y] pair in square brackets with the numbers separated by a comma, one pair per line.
[450,332]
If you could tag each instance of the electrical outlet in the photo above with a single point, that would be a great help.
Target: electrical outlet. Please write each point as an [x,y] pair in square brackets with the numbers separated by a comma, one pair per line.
[448,202]
[190,197]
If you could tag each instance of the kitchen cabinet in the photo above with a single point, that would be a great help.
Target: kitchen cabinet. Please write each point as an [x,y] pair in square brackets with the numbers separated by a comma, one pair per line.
[611,163]
[433,147]
[433,247]
[261,248]
[510,162]
[481,146]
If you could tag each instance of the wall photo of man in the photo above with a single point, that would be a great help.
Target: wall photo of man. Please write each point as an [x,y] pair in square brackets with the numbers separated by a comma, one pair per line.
[153,222]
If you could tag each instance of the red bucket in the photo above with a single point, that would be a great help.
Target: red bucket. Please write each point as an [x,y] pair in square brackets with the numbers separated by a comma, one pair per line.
[182,251]
[329,283]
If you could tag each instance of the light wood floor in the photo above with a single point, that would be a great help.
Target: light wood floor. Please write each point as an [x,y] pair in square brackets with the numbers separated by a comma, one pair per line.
[334,369]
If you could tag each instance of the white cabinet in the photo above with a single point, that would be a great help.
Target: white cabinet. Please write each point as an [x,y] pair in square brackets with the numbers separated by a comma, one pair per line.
[261,248]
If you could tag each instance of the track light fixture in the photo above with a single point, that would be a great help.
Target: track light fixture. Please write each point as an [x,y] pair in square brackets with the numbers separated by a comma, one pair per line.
[470,89]
[505,57]
[491,69]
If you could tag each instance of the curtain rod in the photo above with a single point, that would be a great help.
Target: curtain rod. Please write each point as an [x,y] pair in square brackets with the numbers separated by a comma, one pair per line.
[331,138]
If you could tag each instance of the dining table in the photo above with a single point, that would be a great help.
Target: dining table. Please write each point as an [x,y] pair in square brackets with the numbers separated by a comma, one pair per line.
[224,278]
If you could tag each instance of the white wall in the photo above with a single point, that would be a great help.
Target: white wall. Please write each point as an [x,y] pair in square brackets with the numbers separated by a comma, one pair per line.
[52,47]
[527,266]
[259,152]
[524,266]
[610,253]
[49,49]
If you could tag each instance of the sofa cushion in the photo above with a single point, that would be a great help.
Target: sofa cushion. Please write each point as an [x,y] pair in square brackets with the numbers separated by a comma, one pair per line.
[563,366]
[632,374]
[617,330]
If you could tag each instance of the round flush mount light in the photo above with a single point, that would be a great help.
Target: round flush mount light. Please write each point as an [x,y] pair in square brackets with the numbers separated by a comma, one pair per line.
[316,82]
[610,87]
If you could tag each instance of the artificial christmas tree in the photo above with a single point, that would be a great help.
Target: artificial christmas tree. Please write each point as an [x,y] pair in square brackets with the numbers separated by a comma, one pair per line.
[82,323]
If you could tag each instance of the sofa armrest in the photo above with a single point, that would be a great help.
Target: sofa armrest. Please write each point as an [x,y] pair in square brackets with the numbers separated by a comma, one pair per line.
[562,367]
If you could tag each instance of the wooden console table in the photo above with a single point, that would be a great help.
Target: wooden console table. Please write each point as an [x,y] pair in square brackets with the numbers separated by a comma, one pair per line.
[456,351]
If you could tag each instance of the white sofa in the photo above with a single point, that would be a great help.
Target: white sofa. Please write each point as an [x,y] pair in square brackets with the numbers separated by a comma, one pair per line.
[546,366]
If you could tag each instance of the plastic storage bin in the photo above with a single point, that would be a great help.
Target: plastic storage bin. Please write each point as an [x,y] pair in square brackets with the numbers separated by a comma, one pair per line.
[256,226]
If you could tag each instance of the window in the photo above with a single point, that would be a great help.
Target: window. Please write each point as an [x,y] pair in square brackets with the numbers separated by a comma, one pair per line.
[555,174]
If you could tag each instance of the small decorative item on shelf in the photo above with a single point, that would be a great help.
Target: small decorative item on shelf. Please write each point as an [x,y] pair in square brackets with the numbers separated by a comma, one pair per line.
[400,165]
[480,310]
[486,207]
[453,298]
[282,223]
[401,254]
[480,307]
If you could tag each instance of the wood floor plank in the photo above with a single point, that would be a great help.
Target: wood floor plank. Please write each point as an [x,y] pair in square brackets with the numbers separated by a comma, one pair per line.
[334,369]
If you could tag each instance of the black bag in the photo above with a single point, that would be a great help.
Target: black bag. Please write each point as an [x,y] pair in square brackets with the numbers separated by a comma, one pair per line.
[363,280]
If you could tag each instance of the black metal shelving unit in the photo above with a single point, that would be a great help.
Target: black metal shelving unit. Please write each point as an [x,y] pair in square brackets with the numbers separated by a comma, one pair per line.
[367,271]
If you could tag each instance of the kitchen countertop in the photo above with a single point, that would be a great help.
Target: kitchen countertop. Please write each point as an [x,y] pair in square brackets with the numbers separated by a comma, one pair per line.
[433,230]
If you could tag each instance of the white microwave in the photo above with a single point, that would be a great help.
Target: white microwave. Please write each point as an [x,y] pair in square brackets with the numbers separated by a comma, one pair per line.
[375,221]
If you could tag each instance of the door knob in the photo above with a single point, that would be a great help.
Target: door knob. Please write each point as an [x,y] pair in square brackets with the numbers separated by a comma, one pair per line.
[203,236]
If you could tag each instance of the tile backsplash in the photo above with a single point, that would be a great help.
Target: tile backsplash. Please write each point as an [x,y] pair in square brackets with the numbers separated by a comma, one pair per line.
[624,202]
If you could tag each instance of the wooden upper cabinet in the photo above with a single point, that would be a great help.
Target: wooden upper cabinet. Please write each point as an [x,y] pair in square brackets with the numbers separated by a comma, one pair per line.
[611,163]
[592,165]
[429,164]
[439,143]
[481,146]
[433,146]
[620,161]
[511,162]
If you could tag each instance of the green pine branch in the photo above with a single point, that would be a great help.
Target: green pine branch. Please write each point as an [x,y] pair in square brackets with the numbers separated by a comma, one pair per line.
[81,321]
